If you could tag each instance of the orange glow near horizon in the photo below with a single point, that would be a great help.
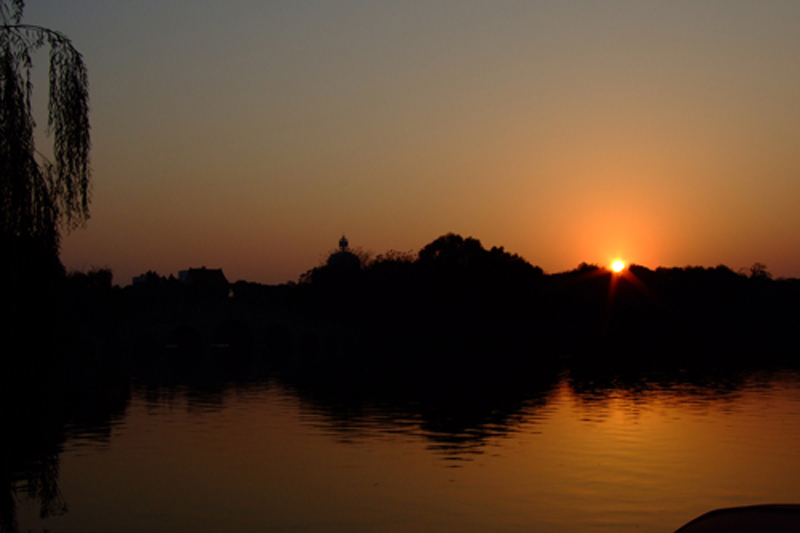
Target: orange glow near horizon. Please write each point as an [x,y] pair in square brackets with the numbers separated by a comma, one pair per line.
[402,123]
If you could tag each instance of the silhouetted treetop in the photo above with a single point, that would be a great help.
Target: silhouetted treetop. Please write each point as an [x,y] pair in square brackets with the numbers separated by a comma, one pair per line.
[451,250]
[38,196]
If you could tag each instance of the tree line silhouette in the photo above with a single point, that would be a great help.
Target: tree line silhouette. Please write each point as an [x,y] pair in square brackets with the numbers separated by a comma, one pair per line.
[454,304]
[455,299]
[456,290]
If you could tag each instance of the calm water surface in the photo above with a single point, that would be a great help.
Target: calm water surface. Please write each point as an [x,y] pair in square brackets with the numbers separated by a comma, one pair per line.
[571,455]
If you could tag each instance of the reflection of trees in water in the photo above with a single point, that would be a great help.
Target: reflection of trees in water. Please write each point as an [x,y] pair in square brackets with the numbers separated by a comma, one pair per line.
[35,422]
[457,409]
[202,384]
[465,430]
[456,400]
[32,474]
[458,414]
[596,389]
[33,437]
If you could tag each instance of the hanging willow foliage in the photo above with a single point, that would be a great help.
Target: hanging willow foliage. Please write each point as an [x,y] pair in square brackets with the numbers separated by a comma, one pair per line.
[39,197]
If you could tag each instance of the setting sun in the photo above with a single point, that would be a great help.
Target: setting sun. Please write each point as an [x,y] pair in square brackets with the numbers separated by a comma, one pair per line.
[618,266]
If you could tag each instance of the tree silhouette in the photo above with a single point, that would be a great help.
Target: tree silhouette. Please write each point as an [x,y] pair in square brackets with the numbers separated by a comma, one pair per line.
[39,197]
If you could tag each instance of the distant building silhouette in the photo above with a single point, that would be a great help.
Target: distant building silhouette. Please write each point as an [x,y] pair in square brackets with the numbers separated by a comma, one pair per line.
[344,258]
[209,281]
[147,277]
[203,276]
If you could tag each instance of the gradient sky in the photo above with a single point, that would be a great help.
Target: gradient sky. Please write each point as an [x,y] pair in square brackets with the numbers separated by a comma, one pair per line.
[250,134]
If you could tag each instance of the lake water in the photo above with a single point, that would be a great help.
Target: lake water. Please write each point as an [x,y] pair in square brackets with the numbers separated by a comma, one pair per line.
[571,453]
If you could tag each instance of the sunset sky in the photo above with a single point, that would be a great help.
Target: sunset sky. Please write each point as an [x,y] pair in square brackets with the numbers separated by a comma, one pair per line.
[250,134]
